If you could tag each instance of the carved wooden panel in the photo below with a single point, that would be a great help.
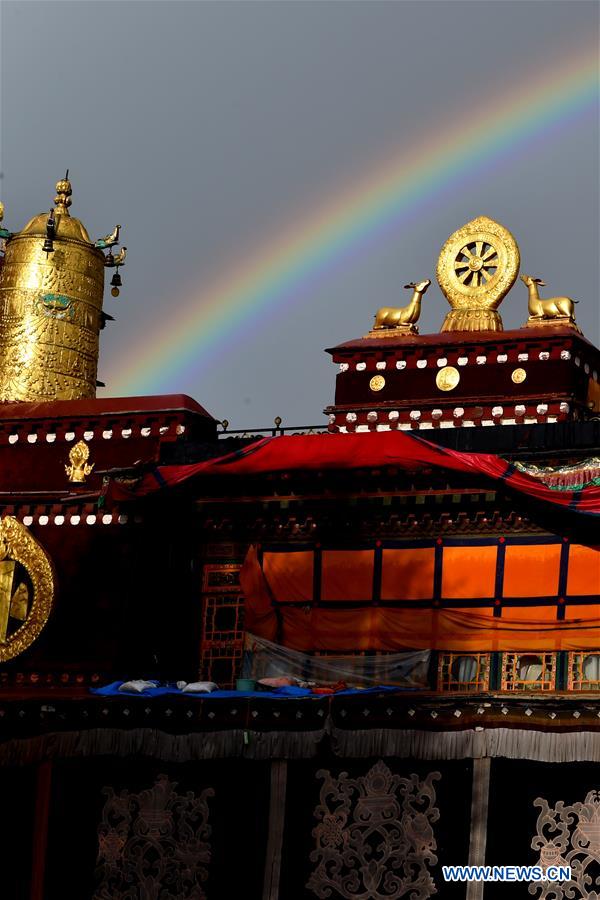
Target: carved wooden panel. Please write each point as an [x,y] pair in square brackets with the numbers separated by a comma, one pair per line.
[569,835]
[374,836]
[154,841]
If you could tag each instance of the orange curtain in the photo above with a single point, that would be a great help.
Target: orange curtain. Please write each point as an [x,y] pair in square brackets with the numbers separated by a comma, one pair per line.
[279,599]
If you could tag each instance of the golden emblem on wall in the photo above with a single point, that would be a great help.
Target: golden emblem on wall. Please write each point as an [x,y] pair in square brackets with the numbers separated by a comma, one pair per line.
[26,588]
[519,376]
[476,268]
[79,468]
[447,378]
[377,383]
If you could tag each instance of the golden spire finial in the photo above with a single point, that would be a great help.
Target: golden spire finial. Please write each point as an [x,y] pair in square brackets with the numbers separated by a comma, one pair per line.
[62,201]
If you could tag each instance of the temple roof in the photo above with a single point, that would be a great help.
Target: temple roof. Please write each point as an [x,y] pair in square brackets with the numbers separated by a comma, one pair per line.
[460,339]
[105,406]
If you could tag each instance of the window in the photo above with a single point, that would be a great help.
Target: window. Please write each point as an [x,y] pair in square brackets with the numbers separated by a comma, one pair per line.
[528,671]
[466,673]
[584,671]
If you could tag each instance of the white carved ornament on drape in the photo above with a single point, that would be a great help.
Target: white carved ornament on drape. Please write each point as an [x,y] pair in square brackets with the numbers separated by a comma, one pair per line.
[374,837]
[155,844]
[569,836]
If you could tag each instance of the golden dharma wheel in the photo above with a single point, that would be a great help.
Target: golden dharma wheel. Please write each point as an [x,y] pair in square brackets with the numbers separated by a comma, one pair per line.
[477,267]
[50,309]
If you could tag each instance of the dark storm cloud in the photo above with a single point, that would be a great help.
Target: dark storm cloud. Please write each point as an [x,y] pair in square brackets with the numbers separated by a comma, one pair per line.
[206,127]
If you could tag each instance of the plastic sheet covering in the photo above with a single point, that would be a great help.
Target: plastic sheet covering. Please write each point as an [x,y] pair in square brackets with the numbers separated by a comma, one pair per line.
[264,659]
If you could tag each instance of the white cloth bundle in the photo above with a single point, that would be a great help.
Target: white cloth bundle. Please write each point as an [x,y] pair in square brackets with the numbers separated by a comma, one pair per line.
[137,686]
[197,687]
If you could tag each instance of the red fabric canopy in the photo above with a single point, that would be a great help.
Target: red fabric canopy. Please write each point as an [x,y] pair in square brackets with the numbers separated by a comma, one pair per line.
[397,449]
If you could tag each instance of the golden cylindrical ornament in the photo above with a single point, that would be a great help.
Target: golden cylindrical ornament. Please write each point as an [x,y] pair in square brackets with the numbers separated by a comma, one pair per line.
[50,311]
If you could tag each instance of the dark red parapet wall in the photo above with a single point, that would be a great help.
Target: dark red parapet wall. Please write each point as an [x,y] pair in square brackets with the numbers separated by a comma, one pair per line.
[35,438]
[529,375]
[116,570]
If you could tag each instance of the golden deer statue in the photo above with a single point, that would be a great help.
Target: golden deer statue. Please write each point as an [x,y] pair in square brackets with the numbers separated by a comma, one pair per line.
[554,309]
[403,318]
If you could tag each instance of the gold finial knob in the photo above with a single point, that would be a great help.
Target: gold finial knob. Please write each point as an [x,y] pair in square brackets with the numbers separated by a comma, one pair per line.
[1,210]
[62,201]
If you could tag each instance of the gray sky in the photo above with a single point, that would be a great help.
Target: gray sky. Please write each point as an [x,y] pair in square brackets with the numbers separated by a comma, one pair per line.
[207,128]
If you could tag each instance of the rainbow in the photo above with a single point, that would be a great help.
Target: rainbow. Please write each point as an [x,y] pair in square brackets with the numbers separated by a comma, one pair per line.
[270,277]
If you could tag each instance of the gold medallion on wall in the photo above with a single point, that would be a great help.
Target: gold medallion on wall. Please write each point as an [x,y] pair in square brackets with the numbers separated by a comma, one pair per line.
[27,587]
[377,383]
[519,376]
[447,378]
[477,267]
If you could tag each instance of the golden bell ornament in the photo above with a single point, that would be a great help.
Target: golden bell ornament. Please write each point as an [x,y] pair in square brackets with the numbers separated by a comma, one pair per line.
[116,283]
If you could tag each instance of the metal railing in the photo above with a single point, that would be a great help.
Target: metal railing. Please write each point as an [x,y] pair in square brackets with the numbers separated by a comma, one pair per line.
[275,430]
